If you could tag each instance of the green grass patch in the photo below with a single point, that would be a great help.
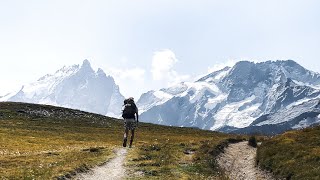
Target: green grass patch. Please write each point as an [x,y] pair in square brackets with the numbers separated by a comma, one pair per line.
[177,153]
[42,146]
[292,155]
[45,142]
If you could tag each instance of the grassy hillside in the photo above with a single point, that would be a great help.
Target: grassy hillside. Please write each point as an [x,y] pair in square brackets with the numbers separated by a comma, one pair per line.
[44,142]
[292,155]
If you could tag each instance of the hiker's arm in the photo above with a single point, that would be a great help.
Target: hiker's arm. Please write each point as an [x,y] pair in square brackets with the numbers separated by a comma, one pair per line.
[137,117]
[137,114]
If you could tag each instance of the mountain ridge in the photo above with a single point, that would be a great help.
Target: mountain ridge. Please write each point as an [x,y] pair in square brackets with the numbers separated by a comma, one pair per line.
[248,96]
[78,87]
[234,97]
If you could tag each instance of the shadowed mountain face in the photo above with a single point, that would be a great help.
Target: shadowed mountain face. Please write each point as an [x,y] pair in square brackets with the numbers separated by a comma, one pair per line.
[249,95]
[78,87]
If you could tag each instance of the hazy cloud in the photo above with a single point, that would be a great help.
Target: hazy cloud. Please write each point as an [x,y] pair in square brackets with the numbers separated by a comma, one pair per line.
[163,67]
[130,80]
[136,74]
[162,64]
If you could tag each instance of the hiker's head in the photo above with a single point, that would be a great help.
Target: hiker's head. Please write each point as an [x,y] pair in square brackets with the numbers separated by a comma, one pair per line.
[130,99]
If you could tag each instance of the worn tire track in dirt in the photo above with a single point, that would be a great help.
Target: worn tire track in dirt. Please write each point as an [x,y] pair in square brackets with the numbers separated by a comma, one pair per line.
[238,161]
[112,170]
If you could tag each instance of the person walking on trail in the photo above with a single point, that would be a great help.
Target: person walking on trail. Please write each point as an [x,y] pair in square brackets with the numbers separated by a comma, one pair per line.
[131,119]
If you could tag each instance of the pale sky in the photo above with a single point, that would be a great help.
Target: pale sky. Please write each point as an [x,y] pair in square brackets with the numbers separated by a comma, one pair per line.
[150,44]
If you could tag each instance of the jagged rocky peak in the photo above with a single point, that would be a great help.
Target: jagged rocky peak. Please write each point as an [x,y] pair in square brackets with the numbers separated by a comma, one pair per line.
[66,69]
[44,77]
[86,63]
[295,71]
[290,63]
[244,75]
[100,71]
[145,97]
[86,66]
[249,74]
[239,73]
[76,86]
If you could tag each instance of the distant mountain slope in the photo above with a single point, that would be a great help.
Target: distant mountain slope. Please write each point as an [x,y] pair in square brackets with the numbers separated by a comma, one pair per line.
[244,96]
[78,87]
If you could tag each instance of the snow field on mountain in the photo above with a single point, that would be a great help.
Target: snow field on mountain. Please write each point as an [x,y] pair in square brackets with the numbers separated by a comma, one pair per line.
[237,96]
[231,115]
[277,91]
[77,87]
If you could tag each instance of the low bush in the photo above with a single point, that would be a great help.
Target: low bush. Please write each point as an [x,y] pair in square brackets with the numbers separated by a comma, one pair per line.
[252,141]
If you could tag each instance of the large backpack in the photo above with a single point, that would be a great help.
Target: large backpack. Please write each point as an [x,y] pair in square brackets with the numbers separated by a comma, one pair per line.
[129,109]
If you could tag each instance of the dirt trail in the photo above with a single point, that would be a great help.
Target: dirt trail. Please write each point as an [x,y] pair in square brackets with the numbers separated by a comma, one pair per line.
[113,170]
[238,161]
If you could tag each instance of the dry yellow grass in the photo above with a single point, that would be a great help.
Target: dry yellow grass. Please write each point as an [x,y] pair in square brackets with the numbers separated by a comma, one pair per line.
[292,155]
[45,142]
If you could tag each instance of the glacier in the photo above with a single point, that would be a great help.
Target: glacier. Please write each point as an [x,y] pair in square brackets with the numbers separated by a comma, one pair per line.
[248,97]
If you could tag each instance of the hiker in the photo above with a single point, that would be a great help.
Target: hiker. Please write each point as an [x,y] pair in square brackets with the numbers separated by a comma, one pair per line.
[131,119]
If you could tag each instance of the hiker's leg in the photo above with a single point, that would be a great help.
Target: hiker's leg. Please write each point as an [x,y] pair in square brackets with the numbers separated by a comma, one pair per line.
[125,137]
[126,132]
[132,136]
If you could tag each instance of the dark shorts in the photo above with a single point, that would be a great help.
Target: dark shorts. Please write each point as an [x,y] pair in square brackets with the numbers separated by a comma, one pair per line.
[130,124]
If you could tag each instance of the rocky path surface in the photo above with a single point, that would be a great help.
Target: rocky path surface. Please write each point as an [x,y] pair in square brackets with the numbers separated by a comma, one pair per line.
[113,170]
[238,161]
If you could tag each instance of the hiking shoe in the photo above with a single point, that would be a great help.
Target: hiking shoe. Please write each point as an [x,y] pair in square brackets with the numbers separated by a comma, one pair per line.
[125,142]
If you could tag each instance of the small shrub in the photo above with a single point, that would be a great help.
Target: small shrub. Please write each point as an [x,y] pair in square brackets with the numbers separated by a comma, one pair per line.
[235,140]
[151,173]
[252,141]
[152,147]
[94,149]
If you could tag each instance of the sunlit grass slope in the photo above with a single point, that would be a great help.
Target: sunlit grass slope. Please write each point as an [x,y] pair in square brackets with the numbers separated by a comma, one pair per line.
[292,155]
[177,153]
[45,142]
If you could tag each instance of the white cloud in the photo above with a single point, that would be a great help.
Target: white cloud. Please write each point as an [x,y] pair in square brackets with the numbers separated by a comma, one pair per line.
[162,64]
[133,80]
[136,74]
[162,68]
[130,80]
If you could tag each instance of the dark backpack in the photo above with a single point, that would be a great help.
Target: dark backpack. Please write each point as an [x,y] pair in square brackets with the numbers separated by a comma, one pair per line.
[129,109]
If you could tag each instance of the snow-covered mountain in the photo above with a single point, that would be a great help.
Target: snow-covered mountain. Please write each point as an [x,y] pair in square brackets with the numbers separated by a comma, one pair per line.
[77,87]
[248,97]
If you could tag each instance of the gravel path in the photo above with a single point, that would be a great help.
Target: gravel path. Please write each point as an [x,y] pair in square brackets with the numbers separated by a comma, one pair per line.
[113,170]
[238,161]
